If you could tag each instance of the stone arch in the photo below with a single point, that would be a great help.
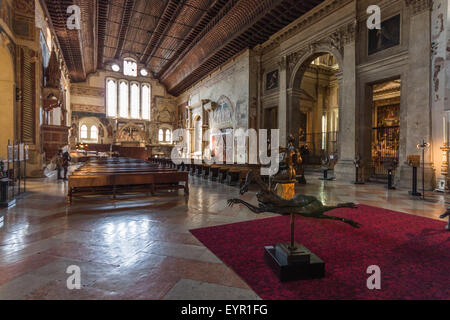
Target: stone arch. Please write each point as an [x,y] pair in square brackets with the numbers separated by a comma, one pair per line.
[89,122]
[7,92]
[298,64]
[306,57]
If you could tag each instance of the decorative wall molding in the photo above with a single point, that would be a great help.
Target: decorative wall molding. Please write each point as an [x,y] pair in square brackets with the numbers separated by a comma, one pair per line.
[87,91]
[88,108]
[312,17]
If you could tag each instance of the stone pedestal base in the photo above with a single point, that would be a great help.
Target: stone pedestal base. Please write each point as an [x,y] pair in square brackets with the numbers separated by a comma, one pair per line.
[294,269]
[345,171]
[35,165]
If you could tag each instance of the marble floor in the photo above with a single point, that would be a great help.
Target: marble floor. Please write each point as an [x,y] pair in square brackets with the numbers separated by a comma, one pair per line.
[140,247]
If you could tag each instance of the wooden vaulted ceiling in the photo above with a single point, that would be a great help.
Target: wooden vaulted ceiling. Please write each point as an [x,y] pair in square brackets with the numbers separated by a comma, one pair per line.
[178,41]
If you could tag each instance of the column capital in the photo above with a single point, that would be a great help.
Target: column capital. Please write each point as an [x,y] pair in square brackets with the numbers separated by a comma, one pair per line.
[419,6]
[349,32]
[282,63]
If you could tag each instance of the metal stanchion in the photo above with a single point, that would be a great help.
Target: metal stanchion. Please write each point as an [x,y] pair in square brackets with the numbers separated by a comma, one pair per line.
[357,163]
[414,192]
[422,147]
[390,163]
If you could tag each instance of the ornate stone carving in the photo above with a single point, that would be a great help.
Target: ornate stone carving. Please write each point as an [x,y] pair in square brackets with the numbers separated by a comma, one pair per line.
[78,90]
[349,32]
[294,58]
[335,40]
[418,6]
[304,22]
[4,40]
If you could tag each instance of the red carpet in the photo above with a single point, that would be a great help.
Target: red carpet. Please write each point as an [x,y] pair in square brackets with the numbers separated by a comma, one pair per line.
[412,252]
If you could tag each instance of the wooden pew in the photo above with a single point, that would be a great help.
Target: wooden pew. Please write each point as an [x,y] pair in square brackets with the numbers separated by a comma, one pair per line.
[115,177]
[223,172]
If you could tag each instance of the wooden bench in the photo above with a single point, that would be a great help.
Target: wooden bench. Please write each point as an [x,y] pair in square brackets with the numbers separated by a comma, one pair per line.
[100,179]
[206,171]
[223,172]
[214,172]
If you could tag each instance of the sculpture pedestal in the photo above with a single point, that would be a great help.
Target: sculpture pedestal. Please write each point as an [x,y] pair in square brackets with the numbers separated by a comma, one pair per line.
[301,264]
[291,261]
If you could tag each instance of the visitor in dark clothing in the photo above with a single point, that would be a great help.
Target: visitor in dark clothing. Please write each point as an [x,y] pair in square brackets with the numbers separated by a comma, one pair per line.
[66,161]
[59,163]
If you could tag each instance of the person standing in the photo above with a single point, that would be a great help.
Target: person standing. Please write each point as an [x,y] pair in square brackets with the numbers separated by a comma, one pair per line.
[66,162]
[59,163]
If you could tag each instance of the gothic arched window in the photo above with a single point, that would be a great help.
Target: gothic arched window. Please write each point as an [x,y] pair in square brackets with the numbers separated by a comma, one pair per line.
[135,112]
[94,133]
[126,99]
[123,99]
[146,104]
[168,135]
[111,98]
[83,132]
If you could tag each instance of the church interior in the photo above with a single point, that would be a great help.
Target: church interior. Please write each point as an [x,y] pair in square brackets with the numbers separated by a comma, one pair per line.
[138,140]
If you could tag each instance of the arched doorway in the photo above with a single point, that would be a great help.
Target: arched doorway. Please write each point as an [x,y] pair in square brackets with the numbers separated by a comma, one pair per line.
[7,94]
[315,104]
[384,108]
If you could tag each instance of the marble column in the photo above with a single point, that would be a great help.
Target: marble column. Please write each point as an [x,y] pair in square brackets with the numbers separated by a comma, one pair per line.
[418,84]
[283,103]
[347,140]
[293,103]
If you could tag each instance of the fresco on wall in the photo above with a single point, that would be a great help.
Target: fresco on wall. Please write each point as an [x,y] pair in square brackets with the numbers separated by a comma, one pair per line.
[241,114]
[165,116]
[165,110]
[131,134]
[223,115]
[106,124]
[272,80]
[388,36]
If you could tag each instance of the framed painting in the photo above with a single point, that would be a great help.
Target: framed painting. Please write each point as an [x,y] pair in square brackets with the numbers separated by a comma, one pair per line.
[272,80]
[386,37]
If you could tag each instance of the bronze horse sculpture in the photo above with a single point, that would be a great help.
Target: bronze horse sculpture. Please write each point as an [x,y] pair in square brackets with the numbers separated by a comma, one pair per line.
[306,206]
